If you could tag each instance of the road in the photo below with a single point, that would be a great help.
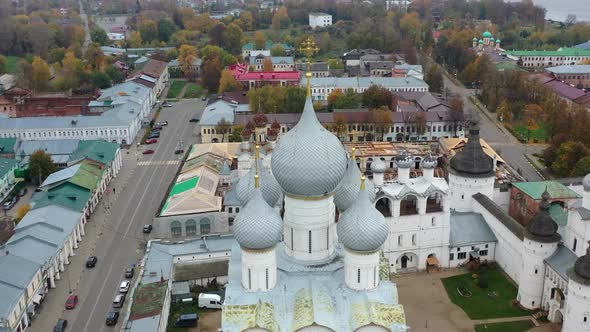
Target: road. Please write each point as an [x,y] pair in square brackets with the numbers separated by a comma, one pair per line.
[119,241]
[84,17]
[499,138]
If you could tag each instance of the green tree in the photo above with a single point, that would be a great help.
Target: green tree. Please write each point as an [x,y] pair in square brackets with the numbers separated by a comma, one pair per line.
[40,166]
[94,56]
[115,74]
[434,78]
[56,54]
[567,156]
[99,36]
[135,40]
[165,29]
[294,99]
[148,30]
[582,167]
[376,96]
[40,74]
[233,39]
[259,40]
[277,50]
[100,80]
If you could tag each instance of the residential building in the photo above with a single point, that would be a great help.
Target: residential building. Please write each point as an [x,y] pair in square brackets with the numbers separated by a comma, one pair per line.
[157,70]
[418,101]
[175,69]
[321,87]
[249,48]
[576,75]
[353,57]
[567,92]
[540,59]
[7,180]
[115,36]
[318,69]
[251,80]
[404,70]
[279,63]
[213,114]
[20,103]
[139,93]
[319,20]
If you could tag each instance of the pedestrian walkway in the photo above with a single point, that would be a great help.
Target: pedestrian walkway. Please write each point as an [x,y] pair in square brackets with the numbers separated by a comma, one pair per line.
[52,307]
[158,162]
[503,320]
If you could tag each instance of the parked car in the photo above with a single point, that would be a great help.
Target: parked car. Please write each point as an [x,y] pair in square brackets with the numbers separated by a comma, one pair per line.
[148,151]
[10,203]
[209,301]
[147,229]
[178,151]
[154,135]
[119,301]
[194,120]
[23,192]
[124,287]
[156,128]
[203,98]
[151,141]
[112,318]
[61,325]
[166,104]
[187,320]
[129,272]
[71,302]
[91,261]
[162,123]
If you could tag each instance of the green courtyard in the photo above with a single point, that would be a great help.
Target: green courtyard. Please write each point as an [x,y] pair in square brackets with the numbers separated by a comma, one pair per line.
[495,301]
[176,88]
[517,326]
[539,134]
[193,90]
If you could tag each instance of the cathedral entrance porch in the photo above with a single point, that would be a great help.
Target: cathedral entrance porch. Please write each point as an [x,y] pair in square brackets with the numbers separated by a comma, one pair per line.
[407,262]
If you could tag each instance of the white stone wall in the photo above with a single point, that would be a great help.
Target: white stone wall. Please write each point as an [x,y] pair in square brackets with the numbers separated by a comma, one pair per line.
[321,21]
[508,253]
[490,247]
[361,270]
[530,284]
[462,189]
[259,269]
[577,308]
[577,233]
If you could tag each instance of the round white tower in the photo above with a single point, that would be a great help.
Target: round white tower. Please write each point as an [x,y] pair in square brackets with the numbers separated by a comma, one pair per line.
[362,230]
[308,163]
[586,195]
[471,171]
[428,165]
[577,307]
[378,168]
[403,162]
[258,230]
[540,242]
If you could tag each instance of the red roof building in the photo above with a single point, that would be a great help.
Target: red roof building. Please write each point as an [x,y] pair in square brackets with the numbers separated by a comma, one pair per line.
[258,79]
[566,91]
[21,103]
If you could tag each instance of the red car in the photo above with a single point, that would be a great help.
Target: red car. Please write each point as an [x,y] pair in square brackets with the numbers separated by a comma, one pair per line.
[72,301]
[151,141]
[148,151]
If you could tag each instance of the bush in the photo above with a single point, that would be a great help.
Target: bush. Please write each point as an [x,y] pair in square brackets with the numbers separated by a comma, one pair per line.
[483,281]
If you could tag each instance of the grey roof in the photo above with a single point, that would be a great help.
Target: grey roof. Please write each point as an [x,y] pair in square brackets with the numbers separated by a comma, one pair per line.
[231,198]
[315,66]
[17,273]
[61,175]
[127,91]
[160,256]
[472,161]
[309,160]
[274,59]
[52,147]
[562,260]
[180,288]
[584,46]
[203,270]
[318,14]
[364,82]
[407,66]
[361,227]
[512,225]
[469,228]
[309,295]
[584,213]
[174,63]
[218,110]
[258,225]
[271,191]
[570,69]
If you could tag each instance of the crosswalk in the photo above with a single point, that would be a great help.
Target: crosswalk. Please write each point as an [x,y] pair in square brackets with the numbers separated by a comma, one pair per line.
[158,162]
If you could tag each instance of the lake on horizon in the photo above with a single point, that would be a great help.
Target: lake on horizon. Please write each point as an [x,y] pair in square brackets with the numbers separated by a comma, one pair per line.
[559,9]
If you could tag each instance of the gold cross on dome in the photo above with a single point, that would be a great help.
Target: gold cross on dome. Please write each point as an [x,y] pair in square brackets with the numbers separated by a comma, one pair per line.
[308,47]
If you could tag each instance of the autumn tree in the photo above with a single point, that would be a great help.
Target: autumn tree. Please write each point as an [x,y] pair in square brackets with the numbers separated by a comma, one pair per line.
[135,39]
[94,56]
[259,40]
[504,112]
[343,99]
[267,65]
[40,74]
[568,155]
[246,21]
[381,119]
[223,126]
[40,166]
[339,125]
[211,74]
[22,211]
[420,120]
[71,66]
[376,96]
[228,82]
[410,27]
[434,79]
[281,20]
[187,55]
[277,50]
[148,30]
[456,112]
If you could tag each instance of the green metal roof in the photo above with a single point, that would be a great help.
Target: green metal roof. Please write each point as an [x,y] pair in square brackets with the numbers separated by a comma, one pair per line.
[536,189]
[183,186]
[98,150]
[487,34]
[7,145]
[558,214]
[88,176]
[560,52]
[7,165]
[67,195]
[267,46]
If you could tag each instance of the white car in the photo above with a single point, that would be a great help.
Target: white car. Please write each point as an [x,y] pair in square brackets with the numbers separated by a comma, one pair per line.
[124,287]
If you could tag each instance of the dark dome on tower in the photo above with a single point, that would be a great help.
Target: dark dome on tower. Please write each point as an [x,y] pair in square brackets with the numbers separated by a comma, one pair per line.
[542,227]
[472,161]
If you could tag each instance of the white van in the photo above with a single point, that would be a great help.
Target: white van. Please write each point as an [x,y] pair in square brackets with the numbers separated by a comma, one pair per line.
[209,301]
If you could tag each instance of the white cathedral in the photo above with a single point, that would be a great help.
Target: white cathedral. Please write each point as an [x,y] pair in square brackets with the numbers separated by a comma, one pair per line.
[324,264]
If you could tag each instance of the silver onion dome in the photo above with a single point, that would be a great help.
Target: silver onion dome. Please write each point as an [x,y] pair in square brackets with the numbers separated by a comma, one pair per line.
[429,162]
[271,191]
[403,160]
[378,166]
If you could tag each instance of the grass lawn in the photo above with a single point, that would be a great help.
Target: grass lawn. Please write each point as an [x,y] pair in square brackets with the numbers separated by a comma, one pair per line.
[175,88]
[193,90]
[480,305]
[519,326]
[540,134]
[11,63]
[177,309]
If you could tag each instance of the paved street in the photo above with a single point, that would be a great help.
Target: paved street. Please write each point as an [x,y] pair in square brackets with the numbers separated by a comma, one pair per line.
[499,138]
[114,233]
